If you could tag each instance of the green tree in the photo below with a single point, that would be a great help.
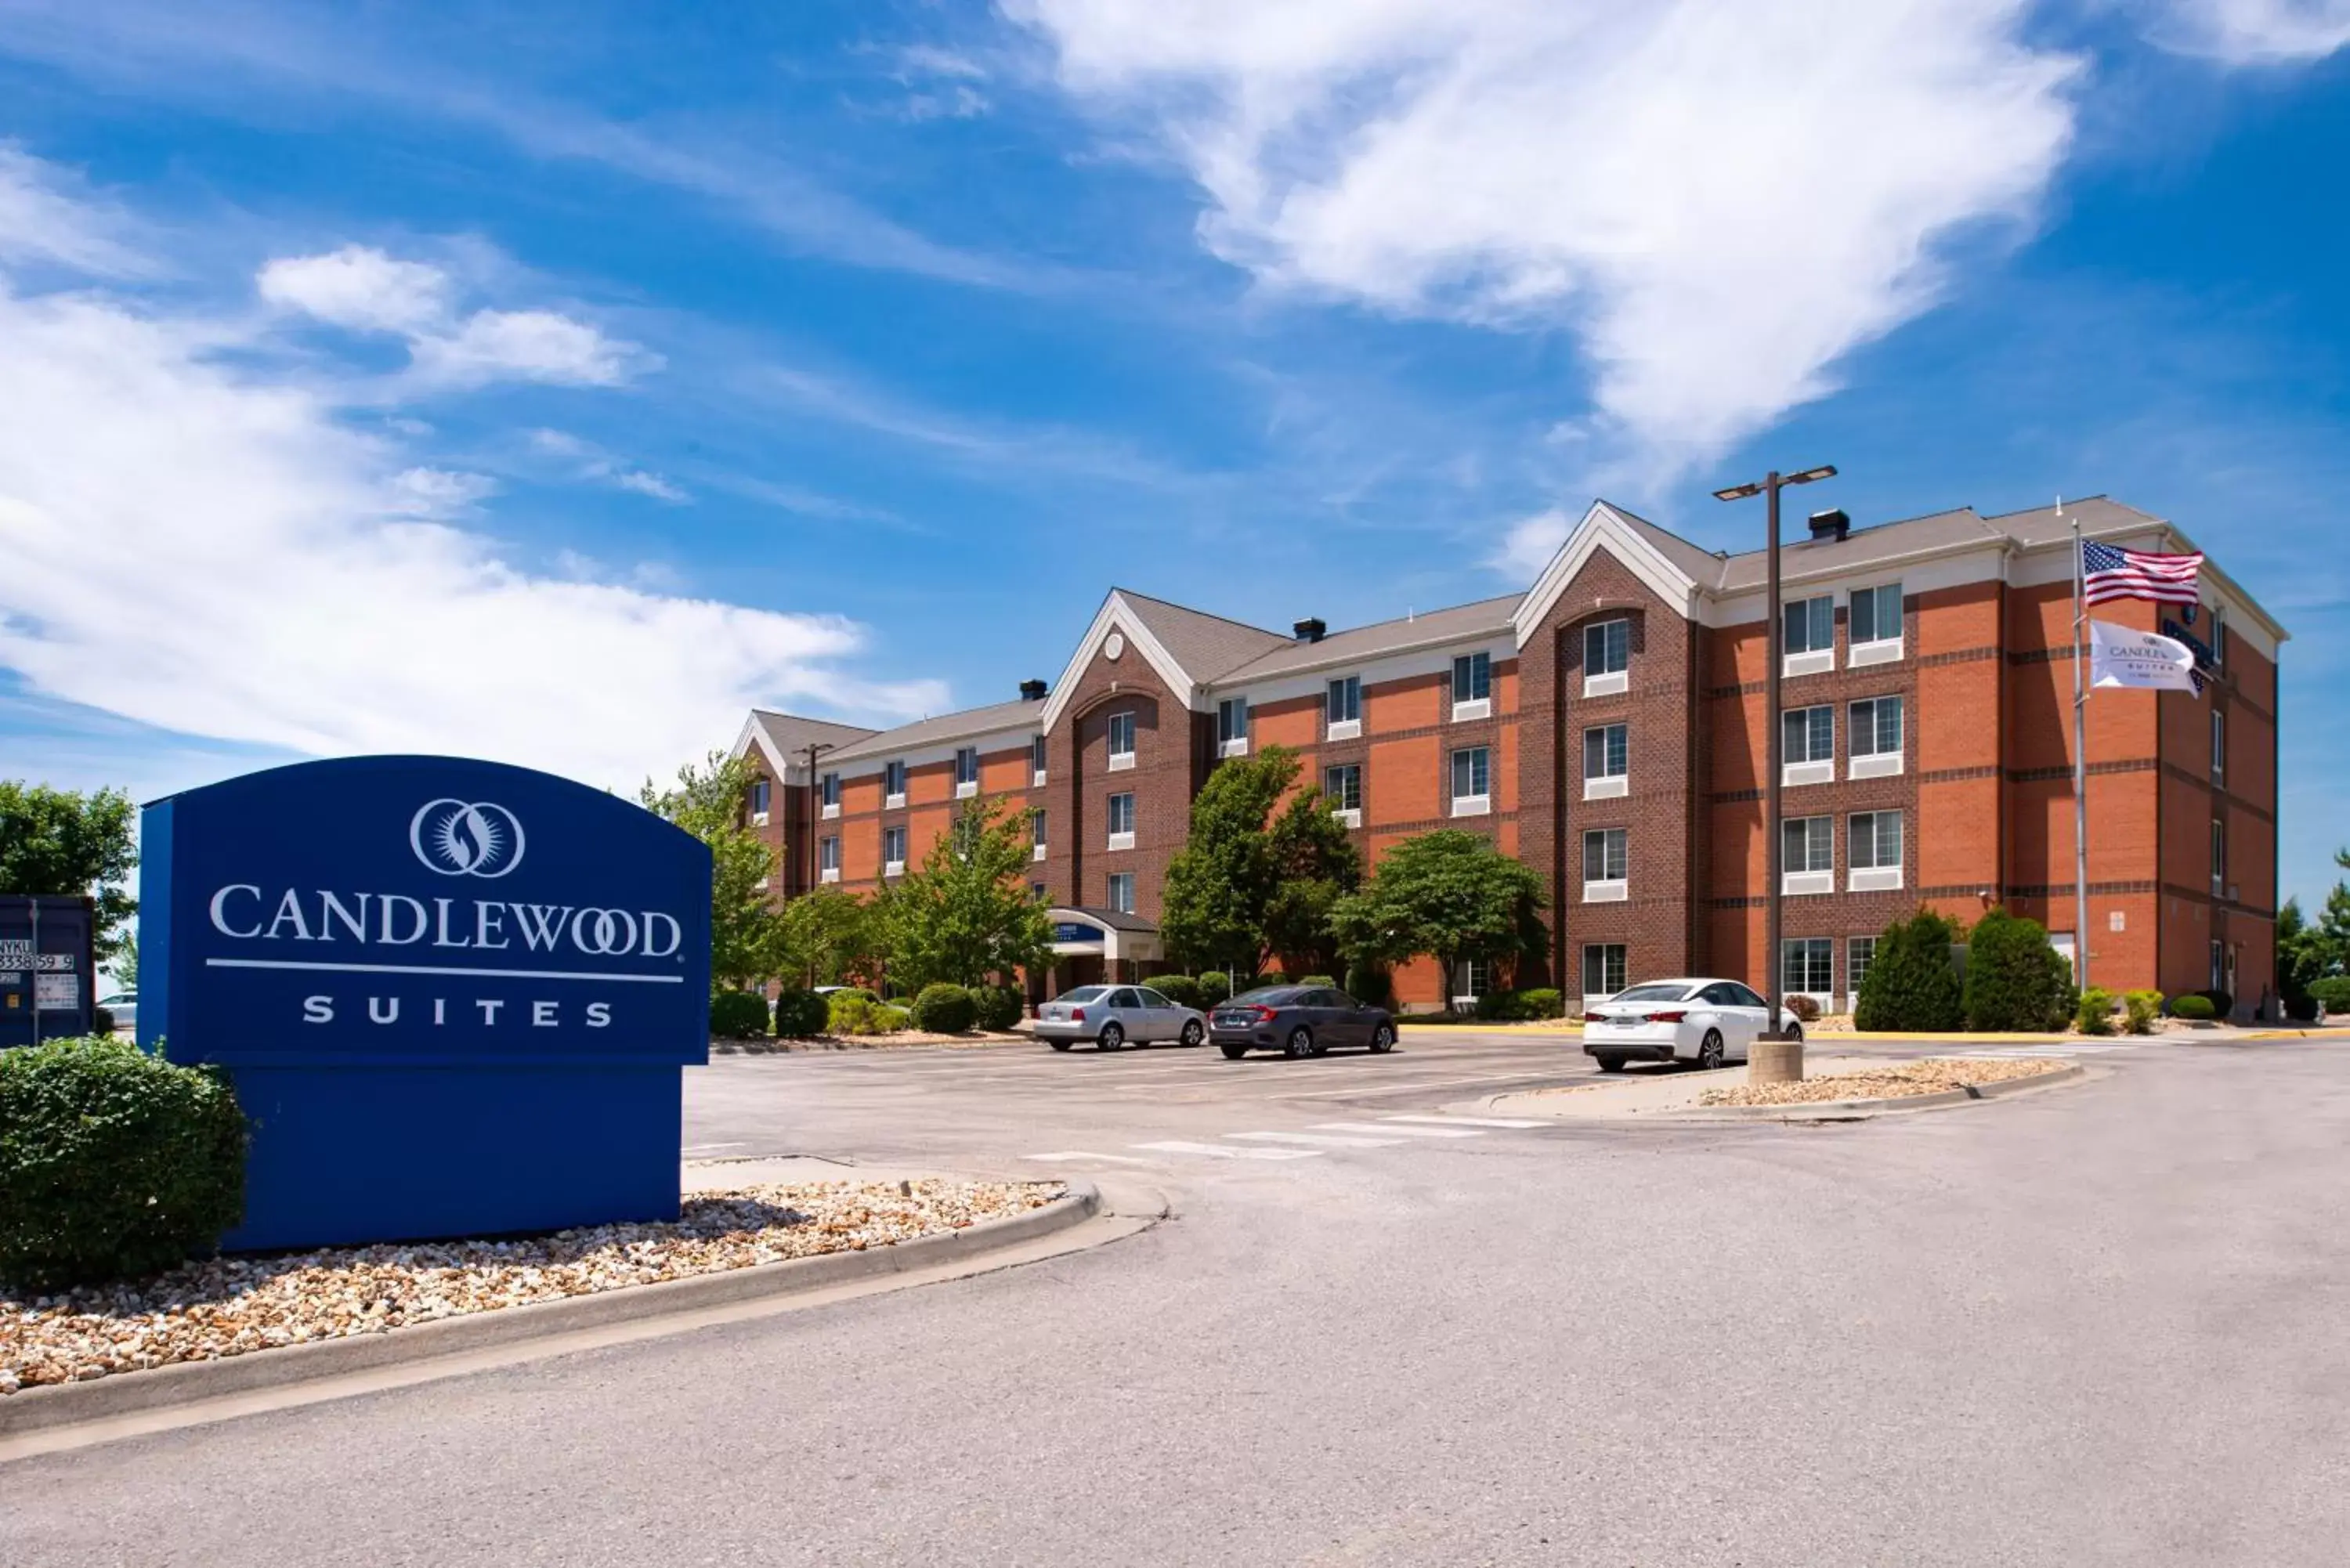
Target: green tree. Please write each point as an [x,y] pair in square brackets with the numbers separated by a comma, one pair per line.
[829,936]
[1911,982]
[2330,942]
[126,960]
[2300,960]
[966,914]
[2015,978]
[745,933]
[71,844]
[1450,895]
[1315,866]
[1256,878]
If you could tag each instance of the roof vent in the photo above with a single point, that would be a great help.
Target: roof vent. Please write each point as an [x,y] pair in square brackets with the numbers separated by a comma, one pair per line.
[1831,524]
[1308,630]
[1031,692]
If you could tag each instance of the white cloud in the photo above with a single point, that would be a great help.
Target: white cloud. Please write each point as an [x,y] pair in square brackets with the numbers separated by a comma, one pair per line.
[1718,199]
[42,219]
[1527,544]
[438,492]
[365,290]
[652,484]
[192,546]
[590,461]
[2257,32]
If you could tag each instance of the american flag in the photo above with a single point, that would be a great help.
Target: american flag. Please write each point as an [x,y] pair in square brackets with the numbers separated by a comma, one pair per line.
[2108,572]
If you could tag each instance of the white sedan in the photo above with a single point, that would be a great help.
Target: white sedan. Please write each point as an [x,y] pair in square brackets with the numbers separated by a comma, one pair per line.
[1708,1022]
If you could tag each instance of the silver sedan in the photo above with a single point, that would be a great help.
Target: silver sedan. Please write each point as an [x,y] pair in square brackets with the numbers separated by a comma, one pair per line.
[1113,1016]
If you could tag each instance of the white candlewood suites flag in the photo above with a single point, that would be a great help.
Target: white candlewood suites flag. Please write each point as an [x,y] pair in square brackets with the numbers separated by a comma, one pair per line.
[2122,656]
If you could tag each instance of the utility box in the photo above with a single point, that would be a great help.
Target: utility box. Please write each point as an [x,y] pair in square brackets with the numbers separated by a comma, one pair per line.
[48,980]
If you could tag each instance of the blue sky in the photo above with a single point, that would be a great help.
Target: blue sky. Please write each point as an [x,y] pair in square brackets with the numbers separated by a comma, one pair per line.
[550,382]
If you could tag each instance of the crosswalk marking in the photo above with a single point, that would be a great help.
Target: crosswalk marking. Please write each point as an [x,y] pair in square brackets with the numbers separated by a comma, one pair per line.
[1469,1121]
[1087,1154]
[1331,1140]
[1380,1128]
[1225,1151]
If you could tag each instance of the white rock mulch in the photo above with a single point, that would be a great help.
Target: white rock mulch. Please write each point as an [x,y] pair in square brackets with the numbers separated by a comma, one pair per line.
[227,1306]
[1892,1081]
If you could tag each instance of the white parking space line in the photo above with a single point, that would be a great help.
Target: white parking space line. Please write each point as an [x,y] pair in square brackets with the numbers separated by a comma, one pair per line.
[1385,1128]
[708,1147]
[1469,1121]
[1331,1140]
[1225,1151]
[1415,1085]
[2022,1053]
[1087,1154]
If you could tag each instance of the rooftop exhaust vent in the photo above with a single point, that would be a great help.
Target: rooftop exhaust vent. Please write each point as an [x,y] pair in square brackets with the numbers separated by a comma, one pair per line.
[1031,692]
[1308,630]
[1831,524]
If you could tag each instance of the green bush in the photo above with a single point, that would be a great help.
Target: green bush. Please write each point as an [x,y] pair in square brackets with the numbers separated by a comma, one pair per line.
[1180,989]
[112,1162]
[1214,987]
[738,1015]
[887,1020]
[2015,980]
[944,1009]
[800,1014]
[1316,979]
[1912,983]
[1542,1002]
[2194,1006]
[2222,1002]
[1371,984]
[851,1012]
[101,1021]
[2140,1010]
[999,1006]
[2331,993]
[2095,1013]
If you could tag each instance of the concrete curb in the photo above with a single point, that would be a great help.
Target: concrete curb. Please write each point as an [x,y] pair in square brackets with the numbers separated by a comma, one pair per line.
[1816,1110]
[188,1381]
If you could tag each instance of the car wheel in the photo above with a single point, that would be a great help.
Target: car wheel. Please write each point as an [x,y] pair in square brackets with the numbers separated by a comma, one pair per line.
[1234,1052]
[1709,1050]
[1113,1038]
[1611,1063]
[1795,1032]
[1383,1039]
[1301,1043]
[1193,1034]
[1060,1044]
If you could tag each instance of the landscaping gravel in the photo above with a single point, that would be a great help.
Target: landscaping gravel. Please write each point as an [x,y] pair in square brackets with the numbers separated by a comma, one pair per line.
[1893,1081]
[227,1306]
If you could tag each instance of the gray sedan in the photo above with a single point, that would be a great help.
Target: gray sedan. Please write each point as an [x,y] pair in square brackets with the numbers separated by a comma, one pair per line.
[1112,1016]
[1302,1021]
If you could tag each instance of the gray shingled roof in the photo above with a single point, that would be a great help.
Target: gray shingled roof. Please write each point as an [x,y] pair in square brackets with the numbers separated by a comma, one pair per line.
[1454,625]
[1699,565]
[791,734]
[1206,645]
[943,727]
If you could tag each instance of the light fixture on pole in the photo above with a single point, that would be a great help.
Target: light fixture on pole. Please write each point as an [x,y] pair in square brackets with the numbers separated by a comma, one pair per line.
[1773,1059]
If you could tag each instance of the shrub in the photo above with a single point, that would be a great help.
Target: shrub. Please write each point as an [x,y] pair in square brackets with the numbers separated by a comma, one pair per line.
[738,1015]
[2222,1002]
[101,1021]
[944,1009]
[1806,1011]
[2095,1013]
[1912,983]
[850,1012]
[1180,989]
[1214,987]
[999,1007]
[2331,993]
[801,1013]
[1542,1002]
[887,1020]
[112,1162]
[1371,984]
[2015,979]
[1316,979]
[2140,1010]
[2194,1006]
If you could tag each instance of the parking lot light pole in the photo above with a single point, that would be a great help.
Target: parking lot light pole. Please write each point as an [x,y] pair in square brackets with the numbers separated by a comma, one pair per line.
[1773,1059]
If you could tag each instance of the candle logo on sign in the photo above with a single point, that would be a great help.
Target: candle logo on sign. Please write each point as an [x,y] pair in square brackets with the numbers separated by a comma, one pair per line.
[466,838]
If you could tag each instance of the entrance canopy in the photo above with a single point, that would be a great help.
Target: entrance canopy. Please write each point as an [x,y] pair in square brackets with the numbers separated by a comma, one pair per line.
[1109,934]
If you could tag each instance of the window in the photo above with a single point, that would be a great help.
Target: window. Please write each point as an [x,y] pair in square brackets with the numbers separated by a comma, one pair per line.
[1807,966]
[1810,626]
[1231,726]
[893,851]
[2219,745]
[828,794]
[2218,857]
[1875,852]
[1472,795]
[1807,746]
[893,783]
[1343,785]
[1342,707]
[1606,760]
[1859,952]
[1121,891]
[1472,978]
[2219,963]
[1876,737]
[1607,649]
[827,859]
[1876,615]
[1037,835]
[1121,740]
[1037,758]
[1121,822]
[2219,636]
[1807,855]
[1603,969]
[759,798]
[1472,686]
[1036,891]
[966,770]
[1607,853]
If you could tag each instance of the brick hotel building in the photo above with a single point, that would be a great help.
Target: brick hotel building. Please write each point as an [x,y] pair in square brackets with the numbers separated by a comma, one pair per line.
[1605,727]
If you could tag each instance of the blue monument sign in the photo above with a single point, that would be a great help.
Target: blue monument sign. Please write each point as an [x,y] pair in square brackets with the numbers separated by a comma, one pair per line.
[454,997]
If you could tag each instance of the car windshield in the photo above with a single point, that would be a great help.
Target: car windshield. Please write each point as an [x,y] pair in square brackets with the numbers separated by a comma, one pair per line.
[1084,993]
[1270,995]
[1652,993]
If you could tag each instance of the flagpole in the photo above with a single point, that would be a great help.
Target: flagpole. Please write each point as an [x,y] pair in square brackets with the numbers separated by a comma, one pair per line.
[2080,765]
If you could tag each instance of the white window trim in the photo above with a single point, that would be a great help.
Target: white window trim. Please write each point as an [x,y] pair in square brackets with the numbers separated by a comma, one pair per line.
[1612,683]
[1884,651]
[1121,841]
[893,802]
[893,867]
[758,819]
[1474,707]
[1875,765]
[829,874]
[829,812]
[1808,773]
[1796,883]
[1036,779]
[1473,806]
[1119,761]
[761,885]
[1812,661]
[1344,730]
[1038,853]
[1607,786]
[965,791]
[1615,891]
[1351,816]
[1873,879]
[1236,747]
